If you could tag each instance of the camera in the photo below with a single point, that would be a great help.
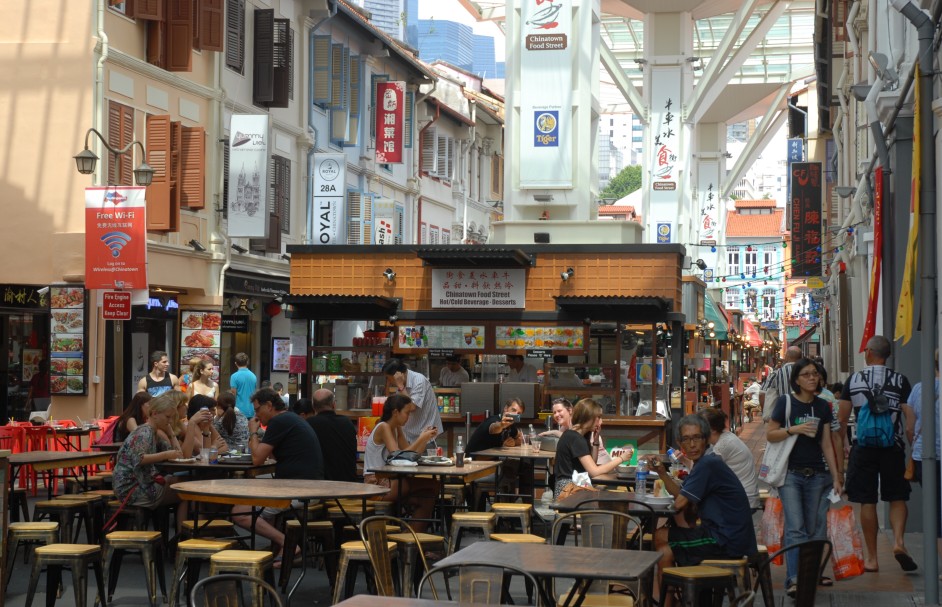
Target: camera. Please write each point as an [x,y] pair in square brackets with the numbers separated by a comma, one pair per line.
[514,417]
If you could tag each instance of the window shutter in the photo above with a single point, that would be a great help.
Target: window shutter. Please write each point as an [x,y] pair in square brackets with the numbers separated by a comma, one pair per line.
[192,167]
[235,35]
[453,147]
[272,241]
[211,25]
[339,114]
[180,36]
[281,60]
[148,10]
[176,143]
[353,128]
[159,211]
[429,150]
[441,151]
[423,233]
[290,64]
[336,76]
[374,80]
[354,212]
[157,43]
[321,71]
[408,125]
[225,180]
[120,134]
[263,86]
[367,219]
[283,191]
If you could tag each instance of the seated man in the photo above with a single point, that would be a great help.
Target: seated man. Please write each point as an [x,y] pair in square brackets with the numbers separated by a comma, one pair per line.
[734,452]
[501,431]
[714,493]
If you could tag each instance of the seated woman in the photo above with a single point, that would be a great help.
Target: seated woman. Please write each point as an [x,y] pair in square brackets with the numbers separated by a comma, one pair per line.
[133,416]
[230,423]
[562,416]
[136,481]
[200,433]
[388,436]
[574,450]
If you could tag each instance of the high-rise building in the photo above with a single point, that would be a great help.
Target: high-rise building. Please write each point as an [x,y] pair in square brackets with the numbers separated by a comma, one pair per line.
[412,23]
[484,62]
[446,41]
[387,15]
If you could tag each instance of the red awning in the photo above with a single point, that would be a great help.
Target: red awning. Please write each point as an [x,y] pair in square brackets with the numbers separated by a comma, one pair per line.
[751,334]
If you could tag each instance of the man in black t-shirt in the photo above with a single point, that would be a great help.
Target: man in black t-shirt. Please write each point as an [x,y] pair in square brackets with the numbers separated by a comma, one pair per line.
[337,436]
[501,431]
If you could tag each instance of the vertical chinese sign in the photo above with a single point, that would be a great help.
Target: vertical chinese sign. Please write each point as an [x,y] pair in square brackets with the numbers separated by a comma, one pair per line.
[709,215]
[390,121]
[115,238]
[805,210]
[664,148]
[545,94]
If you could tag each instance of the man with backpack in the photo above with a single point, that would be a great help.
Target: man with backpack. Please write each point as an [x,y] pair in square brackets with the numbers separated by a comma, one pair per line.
[879,398]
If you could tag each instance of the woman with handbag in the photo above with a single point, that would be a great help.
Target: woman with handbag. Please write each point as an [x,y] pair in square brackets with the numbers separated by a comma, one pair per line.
[812,469]
[574,450]
[388,437]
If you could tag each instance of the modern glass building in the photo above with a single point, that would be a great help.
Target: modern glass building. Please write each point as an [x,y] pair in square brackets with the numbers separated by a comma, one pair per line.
[447,41]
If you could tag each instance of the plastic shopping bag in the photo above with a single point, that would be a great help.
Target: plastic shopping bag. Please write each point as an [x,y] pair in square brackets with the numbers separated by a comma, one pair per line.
[773,527]
[847,553]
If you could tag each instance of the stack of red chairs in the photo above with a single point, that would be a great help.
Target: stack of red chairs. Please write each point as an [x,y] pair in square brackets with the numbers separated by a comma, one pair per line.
[35,438]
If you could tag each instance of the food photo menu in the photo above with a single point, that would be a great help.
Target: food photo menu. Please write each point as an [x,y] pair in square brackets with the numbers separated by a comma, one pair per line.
[68,338]
[200,337]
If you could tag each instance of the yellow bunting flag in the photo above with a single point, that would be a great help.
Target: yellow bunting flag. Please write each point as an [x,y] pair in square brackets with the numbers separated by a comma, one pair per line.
[904,311]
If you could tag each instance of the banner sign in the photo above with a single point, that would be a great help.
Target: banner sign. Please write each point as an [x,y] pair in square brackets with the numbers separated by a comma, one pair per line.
[248,175]
[796,150]
[115,238]
[485,288]
[663,232]
[545,94]
[329,191]
[385,226]
[390,121]
[876,266]
[806,188]
[709,209]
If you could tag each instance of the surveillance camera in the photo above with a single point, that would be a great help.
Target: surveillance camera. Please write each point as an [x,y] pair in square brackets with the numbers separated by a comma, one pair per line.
[43,291]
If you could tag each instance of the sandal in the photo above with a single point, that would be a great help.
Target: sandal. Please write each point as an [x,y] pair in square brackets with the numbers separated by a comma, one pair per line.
[825,581]
[792,591]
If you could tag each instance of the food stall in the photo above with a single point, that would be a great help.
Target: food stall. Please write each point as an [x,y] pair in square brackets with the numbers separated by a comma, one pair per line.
[592,319]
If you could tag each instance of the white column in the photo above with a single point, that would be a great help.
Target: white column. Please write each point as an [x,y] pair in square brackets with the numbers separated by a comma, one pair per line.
[709,168]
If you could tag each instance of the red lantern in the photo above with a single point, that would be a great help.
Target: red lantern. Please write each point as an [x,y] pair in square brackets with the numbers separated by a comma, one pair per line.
[273,308]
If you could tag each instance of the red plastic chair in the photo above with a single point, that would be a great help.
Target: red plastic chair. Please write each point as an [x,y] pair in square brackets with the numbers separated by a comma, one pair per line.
[11,437]
[36,438]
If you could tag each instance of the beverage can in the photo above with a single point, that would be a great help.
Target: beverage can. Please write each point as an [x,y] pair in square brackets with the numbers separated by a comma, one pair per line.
[214,456]
[438,451]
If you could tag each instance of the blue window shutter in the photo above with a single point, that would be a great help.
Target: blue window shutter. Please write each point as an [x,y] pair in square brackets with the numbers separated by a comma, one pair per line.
[374,80]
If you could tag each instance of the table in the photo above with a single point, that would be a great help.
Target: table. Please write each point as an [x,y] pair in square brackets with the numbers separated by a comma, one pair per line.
[547,561]
[576,500]
[205,469]
[275,493]
[51,461]
[109,447]
[64,436]
[522,453]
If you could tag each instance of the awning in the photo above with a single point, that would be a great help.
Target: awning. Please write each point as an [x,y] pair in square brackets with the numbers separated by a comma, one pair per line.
[806,336]
[711,312]
[473,257]
[341,307]
[616,308]
[752,336]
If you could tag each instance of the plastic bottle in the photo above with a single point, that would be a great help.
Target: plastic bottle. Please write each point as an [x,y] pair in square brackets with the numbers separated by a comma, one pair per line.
[532,435]
[641,477]
[459,444]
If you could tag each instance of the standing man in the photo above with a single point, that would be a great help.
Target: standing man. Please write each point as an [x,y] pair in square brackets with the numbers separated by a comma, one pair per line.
[452,374]
[868,464]
[519,370]
[337,436]
[158,380]
[417,387]
[777,383]
[244,382]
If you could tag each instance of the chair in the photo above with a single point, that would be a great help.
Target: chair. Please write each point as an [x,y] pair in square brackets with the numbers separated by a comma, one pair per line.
[747,599]
[482,583]
[228,590]
[374,534]
[644,538]
[812,557]
[76,557]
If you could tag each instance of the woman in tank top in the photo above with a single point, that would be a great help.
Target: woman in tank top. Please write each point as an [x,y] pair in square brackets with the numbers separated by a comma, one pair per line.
[202,381]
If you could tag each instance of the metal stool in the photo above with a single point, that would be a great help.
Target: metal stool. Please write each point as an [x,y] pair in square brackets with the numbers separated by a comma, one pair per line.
[190,553]
[75,485]
[63,512]
[406,541]
[130,518]
[512,512]
[213,528]
[150,546]
[738,567]
[28,534]
[693,580]
[76,557]
[352,555]
[257,563]
[94,512]
[18,505]
[465,521]
[320,531]
[764,575]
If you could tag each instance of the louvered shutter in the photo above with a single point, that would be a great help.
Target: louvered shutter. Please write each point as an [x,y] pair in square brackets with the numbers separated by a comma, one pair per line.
[283,191]
[441,152]
[408,123]
[192,167]
[225,180]
[272,241]
[339,114]
[180,36]
[290,64]
[374,80]
[429,150]
[336,76]
[263,86]
[235,35]
[148,10]
[211,25]
[423,233]
[321,71]
[355,83]
[176,139]
[367,219]
[158,157]
[120,134]
[157,43]
[281,60]
[354,213]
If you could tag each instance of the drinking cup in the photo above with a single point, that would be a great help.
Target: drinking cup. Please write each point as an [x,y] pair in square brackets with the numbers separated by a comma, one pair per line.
[431,452]
[535,445]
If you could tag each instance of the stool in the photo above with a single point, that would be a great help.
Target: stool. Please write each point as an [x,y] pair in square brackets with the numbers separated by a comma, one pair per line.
[150,546]
[353,554]
[63,512]
[321,531]
[76,557]
[512,512]
[130,518]
[213,528]
[94,511]
[18,504]
[694,580]
[738,567]
[764,575]
[105,478]
[28,533]
[518,538]
[465,521]
[406,541]
[256,563]
[190,553]
[75,485]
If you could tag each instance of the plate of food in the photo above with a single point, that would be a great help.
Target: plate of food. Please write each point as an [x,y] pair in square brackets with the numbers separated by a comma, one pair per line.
[435,460]
[657,501]
[183,460]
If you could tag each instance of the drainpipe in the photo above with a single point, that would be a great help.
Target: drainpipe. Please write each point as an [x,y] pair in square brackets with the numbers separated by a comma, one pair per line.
[309,188]
[928,284]
[804,142]
[98,100]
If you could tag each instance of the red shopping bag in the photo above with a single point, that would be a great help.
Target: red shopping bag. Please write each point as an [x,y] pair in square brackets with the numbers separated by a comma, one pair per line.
[847,552]
[773,527]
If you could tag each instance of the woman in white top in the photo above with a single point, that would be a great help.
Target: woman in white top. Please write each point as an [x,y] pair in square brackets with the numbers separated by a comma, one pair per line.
[388,436]
[202,381]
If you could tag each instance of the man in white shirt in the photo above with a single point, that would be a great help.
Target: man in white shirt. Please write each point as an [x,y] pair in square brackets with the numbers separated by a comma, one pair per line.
[417,387]
[453,374]
[519,370]
[777,383]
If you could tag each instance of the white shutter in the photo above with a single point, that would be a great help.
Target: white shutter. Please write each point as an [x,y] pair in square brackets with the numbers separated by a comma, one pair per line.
[429,151]
[441,164]
[450,164]
[354,213]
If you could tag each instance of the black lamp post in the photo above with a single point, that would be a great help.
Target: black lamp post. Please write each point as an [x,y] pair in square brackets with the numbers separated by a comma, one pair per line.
[86,160]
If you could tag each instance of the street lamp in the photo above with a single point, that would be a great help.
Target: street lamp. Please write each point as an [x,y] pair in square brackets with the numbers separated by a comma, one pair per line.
[86,160]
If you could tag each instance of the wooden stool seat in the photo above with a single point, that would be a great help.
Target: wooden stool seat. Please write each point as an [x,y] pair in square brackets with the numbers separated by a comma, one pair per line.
[25,527]
[239,557]
[27,534]
[149,544]
[513,512]
[117,537]
[693,580]
[518,538]
[352,554]
[75,485]
[212,528]
[64,512]
[466,521]
[738,567]
[133,517]
[190,553]
[257,563]
[317,531]
[406,538]
[76,557]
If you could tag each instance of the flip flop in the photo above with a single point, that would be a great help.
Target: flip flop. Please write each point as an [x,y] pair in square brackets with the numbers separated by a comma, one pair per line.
[825,581]
[905,561]
[869,570]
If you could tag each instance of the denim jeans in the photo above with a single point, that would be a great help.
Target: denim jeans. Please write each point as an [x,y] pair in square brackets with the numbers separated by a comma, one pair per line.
[805,504]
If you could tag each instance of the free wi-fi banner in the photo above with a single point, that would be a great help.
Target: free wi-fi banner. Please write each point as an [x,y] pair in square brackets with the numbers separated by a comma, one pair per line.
[115,238]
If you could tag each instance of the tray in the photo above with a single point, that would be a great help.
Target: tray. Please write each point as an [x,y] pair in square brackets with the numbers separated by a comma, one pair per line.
[436,461]
[184,460]
[237,460]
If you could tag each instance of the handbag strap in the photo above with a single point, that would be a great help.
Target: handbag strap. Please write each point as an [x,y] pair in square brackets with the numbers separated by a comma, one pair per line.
[788,410]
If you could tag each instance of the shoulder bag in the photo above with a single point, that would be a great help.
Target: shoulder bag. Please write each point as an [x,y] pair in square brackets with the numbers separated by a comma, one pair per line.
[775,461]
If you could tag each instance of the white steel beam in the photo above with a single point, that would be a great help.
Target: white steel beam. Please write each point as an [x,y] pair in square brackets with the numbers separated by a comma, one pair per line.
[621,81]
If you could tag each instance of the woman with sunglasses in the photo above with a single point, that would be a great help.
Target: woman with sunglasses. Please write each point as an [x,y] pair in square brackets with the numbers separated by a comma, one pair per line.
[812,469]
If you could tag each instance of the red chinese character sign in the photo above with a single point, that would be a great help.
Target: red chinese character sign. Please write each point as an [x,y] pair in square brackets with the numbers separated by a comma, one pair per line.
[390,121]
[805,210]
[115,238]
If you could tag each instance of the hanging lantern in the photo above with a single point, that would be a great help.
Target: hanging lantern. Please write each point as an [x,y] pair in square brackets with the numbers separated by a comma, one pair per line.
[273,308]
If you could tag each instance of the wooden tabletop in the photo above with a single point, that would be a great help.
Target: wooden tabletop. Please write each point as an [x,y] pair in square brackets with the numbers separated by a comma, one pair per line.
[277,493]
[516,452]
[469,472]
[368,600]
[198,466]
[51,460]
[107,446]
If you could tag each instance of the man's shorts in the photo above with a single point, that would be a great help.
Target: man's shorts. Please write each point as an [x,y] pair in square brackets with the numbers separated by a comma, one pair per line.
[691,545]
[869,467]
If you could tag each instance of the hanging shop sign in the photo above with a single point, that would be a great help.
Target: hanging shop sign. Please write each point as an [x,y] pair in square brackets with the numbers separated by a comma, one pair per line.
[484,288]
[709,209]
[115,238]
[232,323]
[25,297]
[805,208]
[248,175]
[329,191]
[390,121]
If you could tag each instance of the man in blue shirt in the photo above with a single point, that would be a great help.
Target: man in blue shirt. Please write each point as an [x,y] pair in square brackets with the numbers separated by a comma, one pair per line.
[244,382]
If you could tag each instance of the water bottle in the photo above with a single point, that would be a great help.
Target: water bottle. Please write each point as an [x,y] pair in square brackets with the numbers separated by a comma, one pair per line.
[459,451]
[641,477]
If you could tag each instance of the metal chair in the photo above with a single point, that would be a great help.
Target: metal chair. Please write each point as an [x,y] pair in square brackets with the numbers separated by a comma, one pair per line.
[231,590]
[746,599]
[374,532]
[812,558]
[483,583]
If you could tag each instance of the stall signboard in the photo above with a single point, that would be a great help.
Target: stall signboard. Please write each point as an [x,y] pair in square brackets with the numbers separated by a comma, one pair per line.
[23,297]
[444,338]
[248,175]
[232,323]
[540,338]
[479,288]
[806,193]
[115,238]
[390,121]
[329,190]
[200,337]
[68,341]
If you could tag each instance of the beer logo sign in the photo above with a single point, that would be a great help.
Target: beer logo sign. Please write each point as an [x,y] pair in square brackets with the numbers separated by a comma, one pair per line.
[546,125]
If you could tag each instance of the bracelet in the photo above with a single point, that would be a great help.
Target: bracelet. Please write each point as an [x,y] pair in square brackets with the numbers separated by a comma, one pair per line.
[788,430]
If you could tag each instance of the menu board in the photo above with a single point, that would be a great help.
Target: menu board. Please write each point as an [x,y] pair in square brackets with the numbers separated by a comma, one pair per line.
[555,338]
[452,337]
[67,347]
[200,337]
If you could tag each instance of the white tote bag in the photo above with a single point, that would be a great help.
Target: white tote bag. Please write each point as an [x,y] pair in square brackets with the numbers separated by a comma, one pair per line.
[774,465]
